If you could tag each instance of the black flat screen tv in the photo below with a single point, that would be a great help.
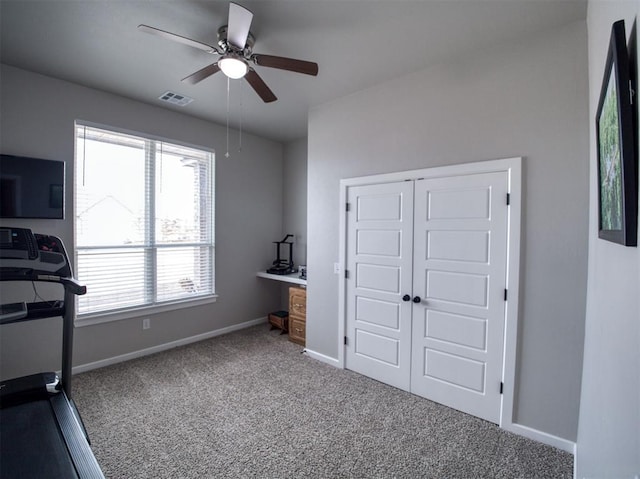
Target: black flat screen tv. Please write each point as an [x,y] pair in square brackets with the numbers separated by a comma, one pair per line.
[31,188]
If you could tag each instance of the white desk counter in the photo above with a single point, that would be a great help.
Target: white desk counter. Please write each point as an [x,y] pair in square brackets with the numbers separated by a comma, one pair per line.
[285,278]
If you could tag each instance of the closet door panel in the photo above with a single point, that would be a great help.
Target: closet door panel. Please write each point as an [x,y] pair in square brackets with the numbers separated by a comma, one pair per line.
[379,264]
[460,251]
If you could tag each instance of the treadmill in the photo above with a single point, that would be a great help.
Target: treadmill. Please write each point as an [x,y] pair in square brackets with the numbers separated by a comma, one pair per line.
[41,431]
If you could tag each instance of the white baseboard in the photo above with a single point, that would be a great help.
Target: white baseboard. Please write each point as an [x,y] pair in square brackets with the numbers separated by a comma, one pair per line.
[543,437]
[164,347]
[322,358]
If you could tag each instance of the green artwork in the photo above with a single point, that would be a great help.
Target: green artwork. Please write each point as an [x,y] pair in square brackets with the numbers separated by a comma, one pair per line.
[610,164]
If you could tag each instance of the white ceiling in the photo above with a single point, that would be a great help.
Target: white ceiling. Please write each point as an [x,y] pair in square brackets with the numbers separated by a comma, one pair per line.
[357,44]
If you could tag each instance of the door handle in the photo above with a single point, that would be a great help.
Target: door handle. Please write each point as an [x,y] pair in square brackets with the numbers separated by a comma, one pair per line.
[406,297]
[416,299]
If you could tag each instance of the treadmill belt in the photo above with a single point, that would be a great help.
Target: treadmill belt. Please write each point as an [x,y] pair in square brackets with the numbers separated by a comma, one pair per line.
[31,444]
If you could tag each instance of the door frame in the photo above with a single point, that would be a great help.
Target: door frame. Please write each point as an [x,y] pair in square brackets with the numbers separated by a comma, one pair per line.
[513,168]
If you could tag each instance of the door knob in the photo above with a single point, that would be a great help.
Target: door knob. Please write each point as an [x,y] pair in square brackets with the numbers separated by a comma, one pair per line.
[406,297]
[416,299]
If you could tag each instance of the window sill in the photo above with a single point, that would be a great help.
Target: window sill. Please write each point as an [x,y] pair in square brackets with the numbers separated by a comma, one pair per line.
[107,317]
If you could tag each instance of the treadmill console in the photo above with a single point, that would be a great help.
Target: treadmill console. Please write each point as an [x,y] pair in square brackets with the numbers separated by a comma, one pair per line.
[24,253]
[18,243]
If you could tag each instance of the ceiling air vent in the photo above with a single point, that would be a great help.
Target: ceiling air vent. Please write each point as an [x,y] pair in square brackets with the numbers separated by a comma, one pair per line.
[175,98]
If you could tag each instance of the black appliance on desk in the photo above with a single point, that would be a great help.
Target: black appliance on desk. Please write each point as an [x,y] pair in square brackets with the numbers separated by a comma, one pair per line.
[281,265]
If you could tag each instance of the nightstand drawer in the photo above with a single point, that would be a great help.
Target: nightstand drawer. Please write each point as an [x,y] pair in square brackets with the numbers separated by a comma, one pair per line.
[297,331]
[298,302]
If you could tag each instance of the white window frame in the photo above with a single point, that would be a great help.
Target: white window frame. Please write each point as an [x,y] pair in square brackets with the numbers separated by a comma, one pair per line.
[90,318]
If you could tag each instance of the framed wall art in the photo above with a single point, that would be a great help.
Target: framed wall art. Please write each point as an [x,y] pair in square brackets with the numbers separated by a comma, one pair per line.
[617,164]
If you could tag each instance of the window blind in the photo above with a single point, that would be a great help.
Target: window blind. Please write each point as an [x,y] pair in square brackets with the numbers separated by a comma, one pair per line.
[143,220]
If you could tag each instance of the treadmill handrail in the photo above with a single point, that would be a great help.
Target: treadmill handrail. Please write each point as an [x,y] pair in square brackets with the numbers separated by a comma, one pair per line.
[74,286]
[30,275]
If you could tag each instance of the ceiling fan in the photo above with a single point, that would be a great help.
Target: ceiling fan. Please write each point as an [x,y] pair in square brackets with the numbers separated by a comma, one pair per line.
[235,49]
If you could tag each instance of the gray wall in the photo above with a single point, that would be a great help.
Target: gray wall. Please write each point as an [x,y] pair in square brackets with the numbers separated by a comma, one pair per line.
[609,431]
[529,99]
[294,208]
[37,119]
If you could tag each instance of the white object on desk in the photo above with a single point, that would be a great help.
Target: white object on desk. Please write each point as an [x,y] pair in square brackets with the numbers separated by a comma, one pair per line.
[285,278]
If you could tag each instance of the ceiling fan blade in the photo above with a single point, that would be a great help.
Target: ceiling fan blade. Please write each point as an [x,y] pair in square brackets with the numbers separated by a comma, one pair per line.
[260,86]
[239,24]
[200,75]
[282,63]
[178,38]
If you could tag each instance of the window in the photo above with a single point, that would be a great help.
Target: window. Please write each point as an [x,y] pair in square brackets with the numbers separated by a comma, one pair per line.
[143,221]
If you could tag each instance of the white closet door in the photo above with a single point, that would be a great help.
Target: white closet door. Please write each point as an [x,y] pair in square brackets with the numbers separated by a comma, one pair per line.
[460,253]
[379,264]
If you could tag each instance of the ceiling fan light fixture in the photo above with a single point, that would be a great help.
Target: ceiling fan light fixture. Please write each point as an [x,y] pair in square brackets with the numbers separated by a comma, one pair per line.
[233,66]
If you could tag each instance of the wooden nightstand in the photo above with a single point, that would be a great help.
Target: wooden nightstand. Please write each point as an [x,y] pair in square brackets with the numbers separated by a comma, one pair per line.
[297,315]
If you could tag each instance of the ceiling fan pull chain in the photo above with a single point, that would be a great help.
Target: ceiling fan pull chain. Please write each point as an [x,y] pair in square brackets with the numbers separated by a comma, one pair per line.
[240,139]
[227,153]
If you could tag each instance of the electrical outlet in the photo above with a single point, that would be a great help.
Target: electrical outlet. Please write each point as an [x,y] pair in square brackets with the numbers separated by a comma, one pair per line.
[336,268]
[146,323]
